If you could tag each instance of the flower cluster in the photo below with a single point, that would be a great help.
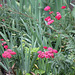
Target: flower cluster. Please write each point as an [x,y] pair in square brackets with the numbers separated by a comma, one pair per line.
[58,16]
[47,54]
[8,52]
[48,19]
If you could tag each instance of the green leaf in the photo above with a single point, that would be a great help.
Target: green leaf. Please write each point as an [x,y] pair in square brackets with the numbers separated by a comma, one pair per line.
[28,74]
[73,12]
[58,42]
[3,66]
[39,71]
[34,49]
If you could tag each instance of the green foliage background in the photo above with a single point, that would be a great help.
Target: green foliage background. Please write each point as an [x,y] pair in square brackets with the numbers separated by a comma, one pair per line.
[26,32]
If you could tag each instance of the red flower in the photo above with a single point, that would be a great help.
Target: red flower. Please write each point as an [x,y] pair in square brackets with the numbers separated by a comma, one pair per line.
[50,22]
[41,55]
[9,50]
[55,51]
[39,52]
[63,7]
[0,5]
[47,8]
[51,54]
[1,39]
[58,16]
[49,48]
[6,46]
[45,47]
[51,12]
[12,53]
[3,20]
[9,55]
[3,43]
[6,55]
[47,18]
[47,54]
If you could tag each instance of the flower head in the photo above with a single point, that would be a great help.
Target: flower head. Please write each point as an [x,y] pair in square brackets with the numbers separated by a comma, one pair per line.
[45,47]
[63,7]
[58,16]
[3,20]
[3,43]
[9,50]
[58,13]
[6,55]
[39,52]
[47,8]
[51,54]
[12,53]
[41,55]
[1,39]
[0,5]
[50,22]
[9,55]
[49,48]
[6,46]
[47,18]
[51,12]
[47,54]
[55,51]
